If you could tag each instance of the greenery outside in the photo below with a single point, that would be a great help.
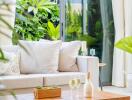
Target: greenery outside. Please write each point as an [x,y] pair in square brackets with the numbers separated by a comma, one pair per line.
[74,25]
[32,17]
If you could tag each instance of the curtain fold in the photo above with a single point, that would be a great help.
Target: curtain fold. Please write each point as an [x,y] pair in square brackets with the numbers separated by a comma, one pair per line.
[122,12]
[128,32]
[108,35]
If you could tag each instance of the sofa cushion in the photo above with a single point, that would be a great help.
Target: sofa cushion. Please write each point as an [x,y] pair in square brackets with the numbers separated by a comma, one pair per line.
[12,52]
[34,80]
[10,67]
[42,58]
[68,55]
[62,78]
[21,81]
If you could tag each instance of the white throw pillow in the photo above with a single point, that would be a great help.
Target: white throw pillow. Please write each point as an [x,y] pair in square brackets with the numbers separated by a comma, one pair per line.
[68,54]
[10,67]
[42,57]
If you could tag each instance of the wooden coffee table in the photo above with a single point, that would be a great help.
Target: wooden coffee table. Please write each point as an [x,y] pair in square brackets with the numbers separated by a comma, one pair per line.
[98,95]
[27,94]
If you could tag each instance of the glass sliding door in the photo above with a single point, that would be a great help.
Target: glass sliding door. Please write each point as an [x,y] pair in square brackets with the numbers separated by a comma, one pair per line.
[91,21]
[73,19]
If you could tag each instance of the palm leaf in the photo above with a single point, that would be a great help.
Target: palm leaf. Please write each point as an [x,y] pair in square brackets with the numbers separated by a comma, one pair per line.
[6,23]
[2,56]
[13,94]
[23,48]
[5,34]
[57,29]
[125,44]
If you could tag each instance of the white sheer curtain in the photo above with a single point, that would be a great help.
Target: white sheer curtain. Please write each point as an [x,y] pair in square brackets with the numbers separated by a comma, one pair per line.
[122,12]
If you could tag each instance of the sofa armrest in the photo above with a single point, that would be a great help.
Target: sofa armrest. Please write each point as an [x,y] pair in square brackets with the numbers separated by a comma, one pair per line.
[89,64]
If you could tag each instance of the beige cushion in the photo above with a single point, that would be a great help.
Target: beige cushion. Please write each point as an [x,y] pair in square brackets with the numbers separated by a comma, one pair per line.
[42,58]
[62,78]
[21,81]
[34,80]
[10,67]
[12,52]
[68,55]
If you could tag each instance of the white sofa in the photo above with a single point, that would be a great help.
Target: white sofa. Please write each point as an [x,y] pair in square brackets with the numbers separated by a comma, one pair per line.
[60,78]
[21,80]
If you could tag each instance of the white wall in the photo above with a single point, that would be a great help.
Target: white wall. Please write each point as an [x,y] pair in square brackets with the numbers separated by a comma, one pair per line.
[11,18]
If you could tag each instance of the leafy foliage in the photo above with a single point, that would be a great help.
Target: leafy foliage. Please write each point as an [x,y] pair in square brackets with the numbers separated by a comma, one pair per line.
[32,17]
[53,32]
[2,56]
[125,44]
[73,21]
[89,39]
[74,26]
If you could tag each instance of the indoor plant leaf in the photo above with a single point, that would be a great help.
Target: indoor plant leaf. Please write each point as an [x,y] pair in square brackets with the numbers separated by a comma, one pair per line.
[125,44]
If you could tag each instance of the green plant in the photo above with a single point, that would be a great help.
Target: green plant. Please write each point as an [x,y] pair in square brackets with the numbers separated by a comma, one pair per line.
[10,92]
[89,39]
[125,44]
[32,17]
[2,56]
[35,5]
[74,23]
[53,32]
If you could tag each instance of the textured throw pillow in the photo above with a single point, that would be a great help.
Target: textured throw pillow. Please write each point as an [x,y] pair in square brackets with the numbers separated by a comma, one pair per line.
[10,67]
[68,55]
[42,57]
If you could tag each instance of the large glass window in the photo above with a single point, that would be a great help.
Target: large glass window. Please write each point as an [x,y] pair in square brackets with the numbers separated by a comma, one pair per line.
[92,21]
[73,19]
[85,20]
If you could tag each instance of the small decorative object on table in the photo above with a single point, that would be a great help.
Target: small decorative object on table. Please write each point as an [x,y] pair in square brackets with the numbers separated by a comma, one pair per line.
[88,87]
[47,92]
[84,48]
[92,52]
